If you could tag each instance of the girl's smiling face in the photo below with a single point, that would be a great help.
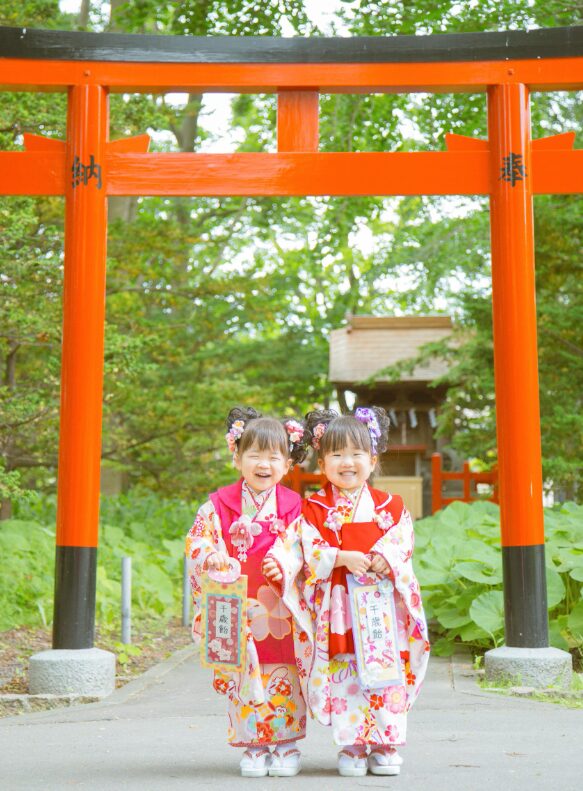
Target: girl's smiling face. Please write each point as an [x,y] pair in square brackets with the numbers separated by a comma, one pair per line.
[349,467]
[262,469]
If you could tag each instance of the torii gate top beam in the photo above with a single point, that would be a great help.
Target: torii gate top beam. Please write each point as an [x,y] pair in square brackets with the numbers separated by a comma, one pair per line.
[543,60]
[298,70]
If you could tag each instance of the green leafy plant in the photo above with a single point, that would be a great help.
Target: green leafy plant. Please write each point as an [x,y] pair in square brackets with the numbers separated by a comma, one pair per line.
[141,525]
[124,651]
[459,564]
[457,559]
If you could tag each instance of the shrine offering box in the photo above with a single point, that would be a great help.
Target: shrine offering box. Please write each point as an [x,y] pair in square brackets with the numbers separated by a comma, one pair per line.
[374,629]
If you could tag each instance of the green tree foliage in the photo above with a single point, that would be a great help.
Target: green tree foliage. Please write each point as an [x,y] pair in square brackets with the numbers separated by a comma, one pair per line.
[559,234]
[30,289]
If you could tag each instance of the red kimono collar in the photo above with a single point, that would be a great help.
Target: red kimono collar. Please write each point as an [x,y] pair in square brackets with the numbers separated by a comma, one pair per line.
[325,497]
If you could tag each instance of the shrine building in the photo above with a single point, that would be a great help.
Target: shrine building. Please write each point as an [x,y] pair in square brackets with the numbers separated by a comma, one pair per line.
[366,346]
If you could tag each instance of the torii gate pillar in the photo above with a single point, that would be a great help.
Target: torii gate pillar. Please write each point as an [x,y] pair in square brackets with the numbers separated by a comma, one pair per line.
[526,657]
[76,666]
[82,370]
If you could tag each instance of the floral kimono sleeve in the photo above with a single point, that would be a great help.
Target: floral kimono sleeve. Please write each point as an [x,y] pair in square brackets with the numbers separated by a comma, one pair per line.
[319,556]
[204,538]
[306,562]
[302,552]
[396,547]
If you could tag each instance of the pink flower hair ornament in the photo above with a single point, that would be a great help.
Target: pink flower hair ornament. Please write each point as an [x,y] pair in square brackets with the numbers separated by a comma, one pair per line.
[318,433]
[295,431]
[234,434]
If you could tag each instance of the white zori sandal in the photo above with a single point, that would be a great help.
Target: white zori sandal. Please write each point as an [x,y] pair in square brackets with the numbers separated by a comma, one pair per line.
[351,764]
[383,762]
[255,762]
[286,761]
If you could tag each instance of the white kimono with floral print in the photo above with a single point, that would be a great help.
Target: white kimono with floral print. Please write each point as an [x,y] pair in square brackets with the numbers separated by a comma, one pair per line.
[331,686]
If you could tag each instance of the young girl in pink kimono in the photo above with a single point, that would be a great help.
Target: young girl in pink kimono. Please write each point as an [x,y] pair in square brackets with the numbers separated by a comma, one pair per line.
[350,527]
[265,704]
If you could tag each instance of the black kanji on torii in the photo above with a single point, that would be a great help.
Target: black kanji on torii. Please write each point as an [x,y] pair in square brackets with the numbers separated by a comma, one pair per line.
[82,173]
[513,169]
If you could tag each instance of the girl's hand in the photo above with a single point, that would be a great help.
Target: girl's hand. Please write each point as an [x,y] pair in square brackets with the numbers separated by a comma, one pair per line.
[356,562]
[218,561]
[270,570]
[380,566]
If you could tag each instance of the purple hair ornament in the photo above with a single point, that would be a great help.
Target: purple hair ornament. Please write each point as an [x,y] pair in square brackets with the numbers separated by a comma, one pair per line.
[368,417]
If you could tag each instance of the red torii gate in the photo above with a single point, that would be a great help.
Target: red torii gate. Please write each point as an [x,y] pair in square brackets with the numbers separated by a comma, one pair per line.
[88,167]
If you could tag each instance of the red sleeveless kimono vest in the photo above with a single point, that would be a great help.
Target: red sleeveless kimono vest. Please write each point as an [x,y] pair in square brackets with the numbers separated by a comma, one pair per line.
[354,536]
[227,503]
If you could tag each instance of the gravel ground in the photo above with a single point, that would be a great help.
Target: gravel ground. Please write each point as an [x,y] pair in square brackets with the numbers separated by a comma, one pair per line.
[152,642]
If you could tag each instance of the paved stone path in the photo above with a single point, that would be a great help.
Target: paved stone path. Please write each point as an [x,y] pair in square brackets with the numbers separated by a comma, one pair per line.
[166,731]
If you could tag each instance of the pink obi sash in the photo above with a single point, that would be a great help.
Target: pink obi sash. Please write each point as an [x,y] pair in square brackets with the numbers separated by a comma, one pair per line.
[270,620]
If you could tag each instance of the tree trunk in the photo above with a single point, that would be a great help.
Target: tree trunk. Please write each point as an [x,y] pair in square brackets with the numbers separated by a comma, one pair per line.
[83,18]
[186,139]
[119,207]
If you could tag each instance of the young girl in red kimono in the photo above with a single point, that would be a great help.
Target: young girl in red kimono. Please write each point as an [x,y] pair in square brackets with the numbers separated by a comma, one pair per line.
[350,527]
[265,704]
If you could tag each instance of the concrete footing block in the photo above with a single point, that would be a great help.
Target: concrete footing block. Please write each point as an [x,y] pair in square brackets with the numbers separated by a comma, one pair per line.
[84,671]
[529,667]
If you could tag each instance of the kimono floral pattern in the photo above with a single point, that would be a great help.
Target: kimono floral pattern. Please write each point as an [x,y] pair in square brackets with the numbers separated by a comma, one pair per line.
[264,703]
[340,621]
[306,560]
[360,716]
[279,719]
[268,615]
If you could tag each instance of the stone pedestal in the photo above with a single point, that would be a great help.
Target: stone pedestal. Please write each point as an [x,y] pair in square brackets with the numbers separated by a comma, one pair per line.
[85,671]
[529,667]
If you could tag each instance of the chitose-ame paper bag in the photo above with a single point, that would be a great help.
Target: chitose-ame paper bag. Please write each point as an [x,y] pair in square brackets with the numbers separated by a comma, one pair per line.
[374,629]
[224,618]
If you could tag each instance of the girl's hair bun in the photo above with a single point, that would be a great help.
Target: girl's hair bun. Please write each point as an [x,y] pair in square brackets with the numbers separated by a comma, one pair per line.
[316,416]
[317,422]
[237,421]
[300,439]
[365,427]
[244,413]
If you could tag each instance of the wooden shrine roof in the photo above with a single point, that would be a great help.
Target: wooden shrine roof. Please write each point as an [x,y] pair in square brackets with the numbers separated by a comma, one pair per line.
[369,343]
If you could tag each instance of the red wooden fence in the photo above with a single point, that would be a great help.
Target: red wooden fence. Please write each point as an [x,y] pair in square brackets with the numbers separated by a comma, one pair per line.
[299,480]
[438,476]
